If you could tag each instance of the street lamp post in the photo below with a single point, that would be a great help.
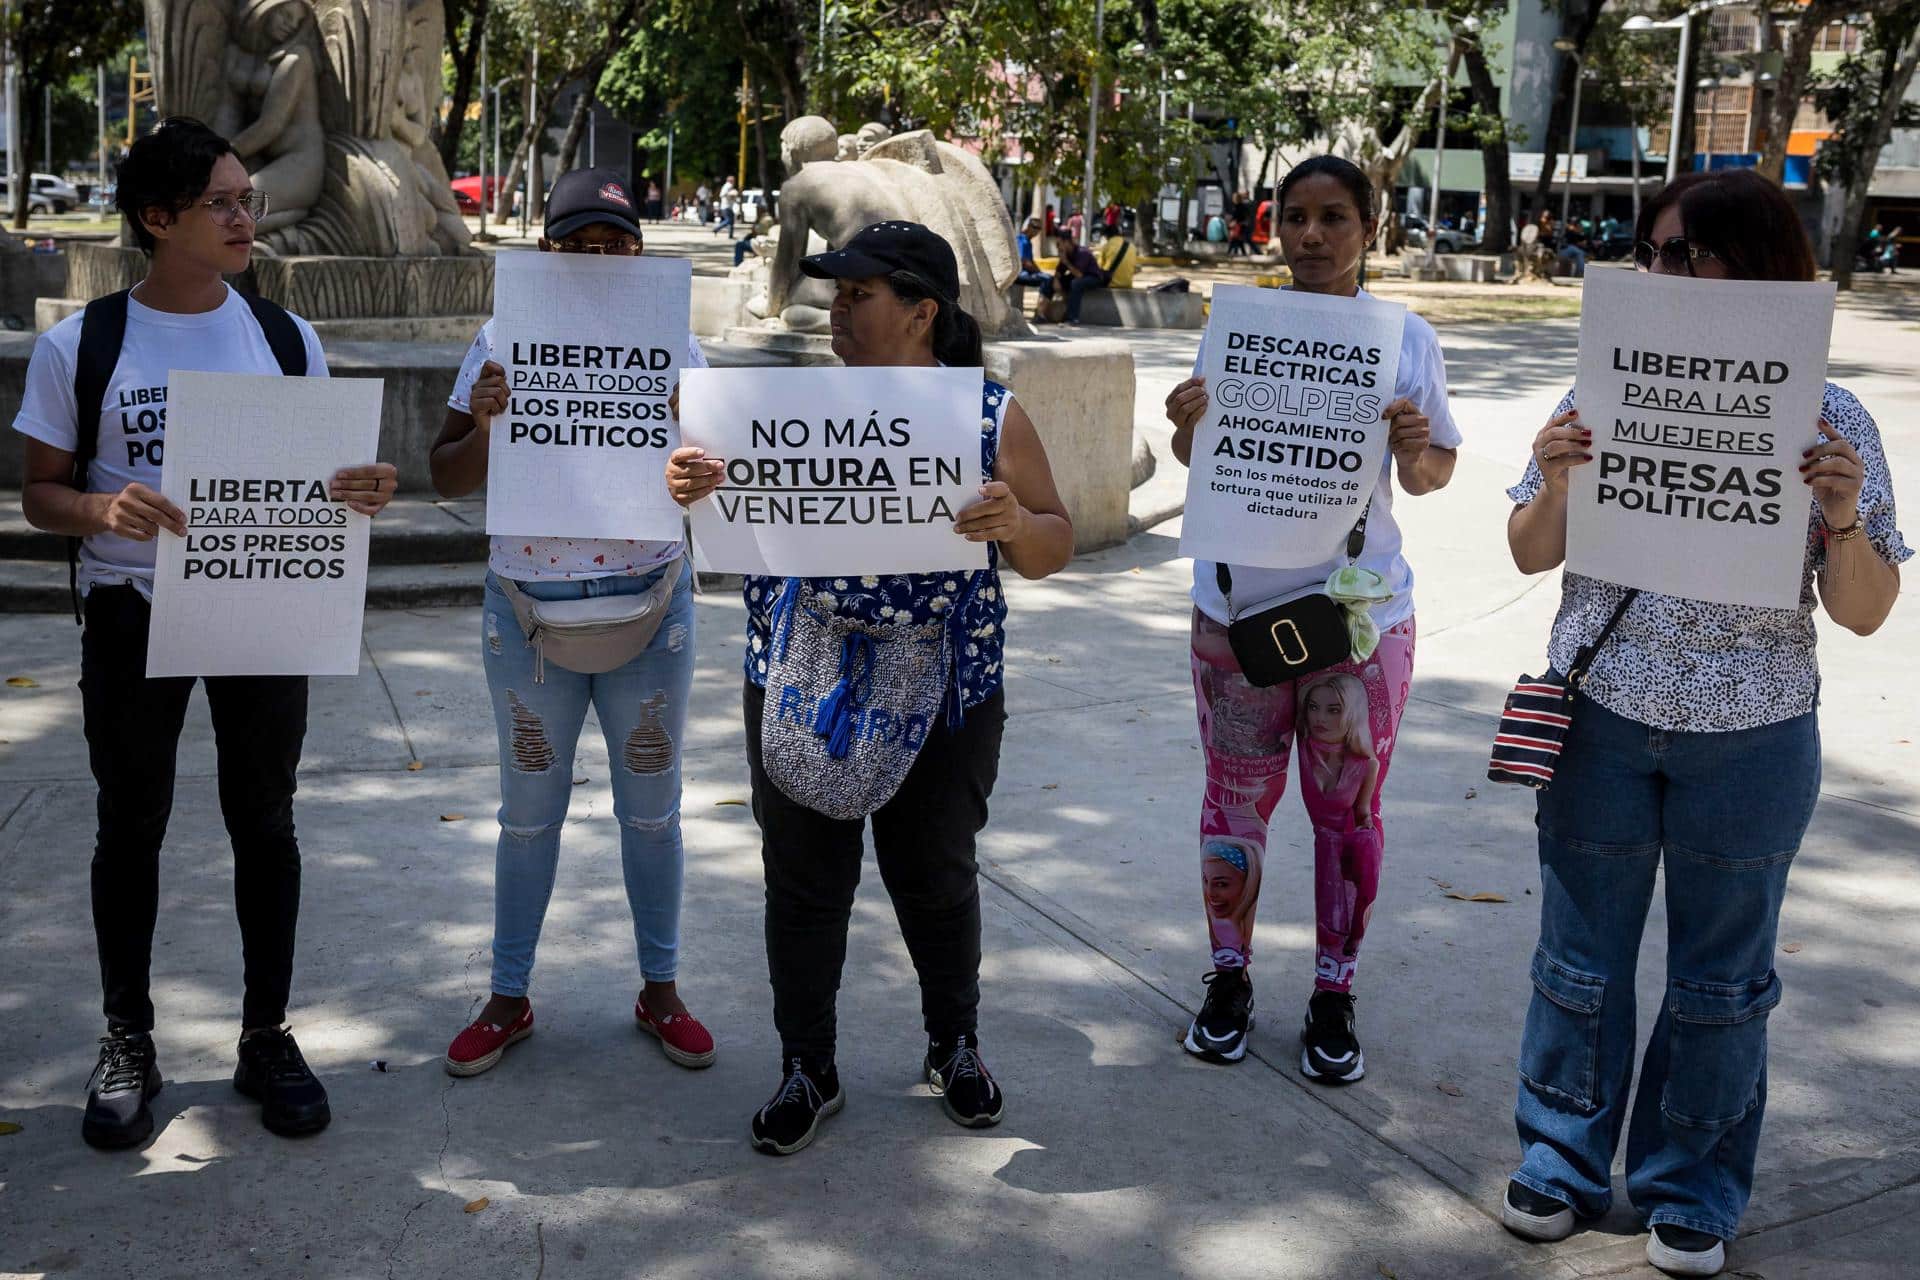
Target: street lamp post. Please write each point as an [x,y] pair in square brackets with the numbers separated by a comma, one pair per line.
[1639,23]
[1093,107]
[1573,128]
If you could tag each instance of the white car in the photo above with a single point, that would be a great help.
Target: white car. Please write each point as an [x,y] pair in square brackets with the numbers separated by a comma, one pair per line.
[37,201]
[63,194]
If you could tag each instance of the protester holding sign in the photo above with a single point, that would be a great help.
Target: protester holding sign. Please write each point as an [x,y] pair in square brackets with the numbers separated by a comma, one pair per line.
[1248,724]
[880,695]
[570,622]
[94,414]
[1692,735]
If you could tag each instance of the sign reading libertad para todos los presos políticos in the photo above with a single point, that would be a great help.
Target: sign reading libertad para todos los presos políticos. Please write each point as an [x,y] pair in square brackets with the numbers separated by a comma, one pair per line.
[836,471]
[1700,395]
[593,346]
[271,578]
[1292,442]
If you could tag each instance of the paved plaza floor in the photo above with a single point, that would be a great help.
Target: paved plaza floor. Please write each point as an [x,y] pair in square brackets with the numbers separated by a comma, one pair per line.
[1120,1156]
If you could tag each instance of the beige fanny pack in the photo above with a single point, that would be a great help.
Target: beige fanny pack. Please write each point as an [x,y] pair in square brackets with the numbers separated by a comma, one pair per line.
[592,635]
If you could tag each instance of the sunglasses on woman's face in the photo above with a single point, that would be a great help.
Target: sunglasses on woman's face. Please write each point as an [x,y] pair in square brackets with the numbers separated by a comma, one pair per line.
[1676,255]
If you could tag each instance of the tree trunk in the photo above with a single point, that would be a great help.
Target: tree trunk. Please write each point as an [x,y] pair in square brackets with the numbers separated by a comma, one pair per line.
[577,125]
[537,177]
[1496,236]
[30,126]
[466,62]
[1896,78]
[760,160]
[1578,29]
[1795,61]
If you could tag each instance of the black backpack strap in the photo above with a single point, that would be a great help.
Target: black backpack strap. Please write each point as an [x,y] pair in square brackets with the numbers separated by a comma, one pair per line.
[103,327]
[283,335]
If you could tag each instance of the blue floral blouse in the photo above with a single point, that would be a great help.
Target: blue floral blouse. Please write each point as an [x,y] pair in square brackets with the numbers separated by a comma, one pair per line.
[912,597]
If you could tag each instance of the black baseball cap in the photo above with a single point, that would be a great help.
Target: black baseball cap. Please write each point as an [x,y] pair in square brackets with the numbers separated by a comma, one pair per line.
[582,197]
[886,247]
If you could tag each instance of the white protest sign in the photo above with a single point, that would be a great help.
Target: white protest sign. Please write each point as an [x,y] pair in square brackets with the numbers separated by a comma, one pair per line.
[836,471]
[271,579]
[1700,395]
[1291,445]
[592,345]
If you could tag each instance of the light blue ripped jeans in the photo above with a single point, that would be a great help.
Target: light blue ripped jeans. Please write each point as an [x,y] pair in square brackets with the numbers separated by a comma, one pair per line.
[643,710]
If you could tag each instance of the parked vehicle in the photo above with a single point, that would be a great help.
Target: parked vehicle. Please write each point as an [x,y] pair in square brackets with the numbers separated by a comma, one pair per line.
[466,192]
[63,195]
[37,201]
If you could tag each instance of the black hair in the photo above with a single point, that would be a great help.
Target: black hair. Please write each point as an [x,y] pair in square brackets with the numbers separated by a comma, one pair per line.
[956,335]
[1746,220]
[167,169]
[1345,172]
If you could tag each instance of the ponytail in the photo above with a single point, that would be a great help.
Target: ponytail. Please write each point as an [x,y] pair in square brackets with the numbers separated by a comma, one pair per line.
[957,342]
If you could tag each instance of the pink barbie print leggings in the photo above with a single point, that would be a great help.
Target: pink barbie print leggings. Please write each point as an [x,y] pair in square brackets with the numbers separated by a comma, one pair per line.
[1346,719]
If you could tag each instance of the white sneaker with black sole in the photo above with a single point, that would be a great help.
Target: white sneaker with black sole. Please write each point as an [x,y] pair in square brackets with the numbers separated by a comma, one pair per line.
[1218,1032]
[1532,1216]
[1682,1251]
[1329,1049]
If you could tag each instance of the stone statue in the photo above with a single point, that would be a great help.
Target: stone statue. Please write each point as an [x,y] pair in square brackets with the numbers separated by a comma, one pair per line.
[271,67]
[329,104]
[915,177]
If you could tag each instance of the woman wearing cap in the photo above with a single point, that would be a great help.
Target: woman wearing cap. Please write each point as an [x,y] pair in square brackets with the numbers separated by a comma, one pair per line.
[1247,733]
[538,708]
[896,285]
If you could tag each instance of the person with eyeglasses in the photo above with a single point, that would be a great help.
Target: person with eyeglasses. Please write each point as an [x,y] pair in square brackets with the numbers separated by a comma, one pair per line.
[94,415]
[1695,744]
[540,708]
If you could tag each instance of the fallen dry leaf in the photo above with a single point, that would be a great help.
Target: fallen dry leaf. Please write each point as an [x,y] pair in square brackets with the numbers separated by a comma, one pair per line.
[1472,792]
[475,1206]
[1791,947]
[1381,1267]
[22,682]
[8,1127]
[1449,1088]
[453,817]
[1476,897]
[1444,884]
[422,693]
[415,766]
[1049,786]
[718,803]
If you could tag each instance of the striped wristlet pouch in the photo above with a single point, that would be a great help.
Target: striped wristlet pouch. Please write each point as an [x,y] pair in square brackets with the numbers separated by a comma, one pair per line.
[1533,727]
[1539,711]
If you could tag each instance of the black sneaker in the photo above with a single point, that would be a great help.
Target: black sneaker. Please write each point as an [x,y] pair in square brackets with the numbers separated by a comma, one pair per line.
[123,1081]
[1329,1051]
[1532,1216]
[792,1116]
[963,1084]
[1682,1251]
[1219,1032]
[273,1073]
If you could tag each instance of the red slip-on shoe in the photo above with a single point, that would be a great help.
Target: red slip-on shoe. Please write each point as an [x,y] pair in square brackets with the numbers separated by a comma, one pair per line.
[479,1047]
[681,1036]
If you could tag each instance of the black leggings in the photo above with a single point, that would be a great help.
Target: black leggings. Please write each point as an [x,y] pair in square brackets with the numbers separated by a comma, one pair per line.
[923,839]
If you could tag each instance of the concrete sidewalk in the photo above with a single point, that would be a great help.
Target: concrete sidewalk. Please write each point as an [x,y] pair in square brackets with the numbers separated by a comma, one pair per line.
[1120,1156]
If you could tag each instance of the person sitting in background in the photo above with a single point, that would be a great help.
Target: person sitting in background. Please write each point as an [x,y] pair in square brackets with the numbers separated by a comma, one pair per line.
[1077,272]
[1030,272]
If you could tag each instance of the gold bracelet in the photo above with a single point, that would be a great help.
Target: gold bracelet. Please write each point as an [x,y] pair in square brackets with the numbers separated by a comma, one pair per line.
[1853,530]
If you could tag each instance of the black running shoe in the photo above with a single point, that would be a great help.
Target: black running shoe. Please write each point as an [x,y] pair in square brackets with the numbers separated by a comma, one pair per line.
[792,1116]
[1329,1050]
[123,1081]
[1219,1032]
[963,1084]
[272,1073]
[1682,1251]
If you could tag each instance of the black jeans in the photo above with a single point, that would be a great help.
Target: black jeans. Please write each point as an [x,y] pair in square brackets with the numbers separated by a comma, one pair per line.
[1077,288]
[923,841]
[133,728]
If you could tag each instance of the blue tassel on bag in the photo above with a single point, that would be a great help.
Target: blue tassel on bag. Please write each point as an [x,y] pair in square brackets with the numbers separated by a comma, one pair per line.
[834,720]
[780,621]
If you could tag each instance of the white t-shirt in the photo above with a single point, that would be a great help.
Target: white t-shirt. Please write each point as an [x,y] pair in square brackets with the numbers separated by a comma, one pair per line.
[133,415]
[1421,378]
[526,559]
